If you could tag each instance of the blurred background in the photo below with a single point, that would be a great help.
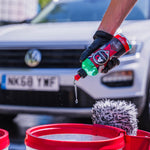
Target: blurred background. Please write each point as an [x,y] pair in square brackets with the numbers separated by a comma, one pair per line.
[15,11]
[40,45]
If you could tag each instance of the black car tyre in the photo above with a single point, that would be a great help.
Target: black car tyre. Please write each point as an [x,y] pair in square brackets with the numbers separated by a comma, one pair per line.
[7,117]
[144,119]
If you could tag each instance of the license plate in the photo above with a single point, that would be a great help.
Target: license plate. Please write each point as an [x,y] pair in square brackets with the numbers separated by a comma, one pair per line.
[30,82]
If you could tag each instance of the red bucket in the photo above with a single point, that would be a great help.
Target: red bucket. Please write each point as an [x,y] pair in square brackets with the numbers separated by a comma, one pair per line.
[4,139]
[95,137]
[139,142]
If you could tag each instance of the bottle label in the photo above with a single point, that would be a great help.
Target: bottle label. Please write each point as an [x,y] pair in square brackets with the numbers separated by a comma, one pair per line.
[101,57]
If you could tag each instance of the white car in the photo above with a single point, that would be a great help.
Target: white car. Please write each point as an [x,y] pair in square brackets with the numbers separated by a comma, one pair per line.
[38,61]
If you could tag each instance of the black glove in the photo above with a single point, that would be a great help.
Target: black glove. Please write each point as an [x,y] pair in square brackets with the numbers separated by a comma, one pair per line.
[100,38]
[111,64]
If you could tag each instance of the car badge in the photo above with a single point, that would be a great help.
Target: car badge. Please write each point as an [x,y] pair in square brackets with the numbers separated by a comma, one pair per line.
[33,57]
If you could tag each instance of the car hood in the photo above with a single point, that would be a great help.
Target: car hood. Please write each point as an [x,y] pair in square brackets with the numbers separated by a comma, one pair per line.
[66,32]
[48,32]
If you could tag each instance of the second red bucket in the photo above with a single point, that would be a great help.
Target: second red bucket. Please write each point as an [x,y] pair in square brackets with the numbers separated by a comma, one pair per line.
[71,136]
[4,139]
[139,142]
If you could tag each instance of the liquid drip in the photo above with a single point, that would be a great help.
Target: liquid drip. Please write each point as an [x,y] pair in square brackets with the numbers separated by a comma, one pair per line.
[75,90]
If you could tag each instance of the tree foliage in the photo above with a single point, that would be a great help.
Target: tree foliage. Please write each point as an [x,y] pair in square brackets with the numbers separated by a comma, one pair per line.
[43,3]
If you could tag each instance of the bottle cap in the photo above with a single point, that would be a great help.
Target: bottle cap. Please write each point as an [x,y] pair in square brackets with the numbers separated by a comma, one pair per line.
[81,73]
[77,77]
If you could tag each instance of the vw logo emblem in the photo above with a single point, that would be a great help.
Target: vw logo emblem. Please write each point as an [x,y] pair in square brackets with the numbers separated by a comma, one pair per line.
[33,57]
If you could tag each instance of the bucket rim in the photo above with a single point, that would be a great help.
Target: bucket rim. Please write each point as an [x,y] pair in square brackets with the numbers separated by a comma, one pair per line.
[32,138]
[141,134]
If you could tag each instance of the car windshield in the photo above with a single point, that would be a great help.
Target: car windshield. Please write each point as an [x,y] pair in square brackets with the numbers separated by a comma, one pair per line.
[85,10]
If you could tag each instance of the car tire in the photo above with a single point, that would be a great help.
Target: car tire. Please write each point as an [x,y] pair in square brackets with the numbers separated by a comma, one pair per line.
[6,117]
[144,119]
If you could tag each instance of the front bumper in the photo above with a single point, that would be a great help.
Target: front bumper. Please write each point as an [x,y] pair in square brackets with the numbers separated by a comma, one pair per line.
[82,109]
[70,112]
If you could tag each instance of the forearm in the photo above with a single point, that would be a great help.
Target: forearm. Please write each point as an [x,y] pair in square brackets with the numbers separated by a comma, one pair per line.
[115,14]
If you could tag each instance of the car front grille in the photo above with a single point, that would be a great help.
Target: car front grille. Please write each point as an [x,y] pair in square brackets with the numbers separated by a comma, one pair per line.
[51,58]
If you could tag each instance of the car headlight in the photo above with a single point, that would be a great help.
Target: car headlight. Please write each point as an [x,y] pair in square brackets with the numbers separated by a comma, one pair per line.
[136,47]
[118,79]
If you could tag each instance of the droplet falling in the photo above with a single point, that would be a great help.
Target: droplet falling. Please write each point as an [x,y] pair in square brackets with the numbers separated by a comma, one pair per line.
[75,90]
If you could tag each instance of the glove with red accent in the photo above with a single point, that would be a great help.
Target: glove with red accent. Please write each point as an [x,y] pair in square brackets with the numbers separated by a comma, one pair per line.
[100,38]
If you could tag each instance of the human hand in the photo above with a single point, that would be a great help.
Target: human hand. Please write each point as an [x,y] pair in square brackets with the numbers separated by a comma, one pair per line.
[111,64]
[100,38]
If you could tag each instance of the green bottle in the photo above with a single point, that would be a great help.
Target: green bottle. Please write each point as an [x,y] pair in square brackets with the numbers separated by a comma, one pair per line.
[89,67]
